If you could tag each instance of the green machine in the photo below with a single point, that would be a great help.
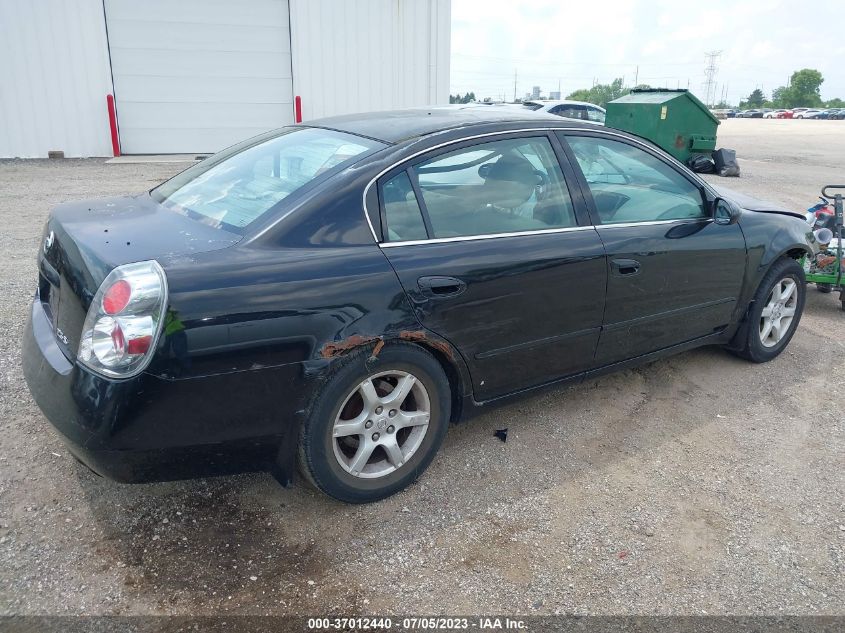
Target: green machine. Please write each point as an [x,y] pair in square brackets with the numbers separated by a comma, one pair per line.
[675,120]
[826,268]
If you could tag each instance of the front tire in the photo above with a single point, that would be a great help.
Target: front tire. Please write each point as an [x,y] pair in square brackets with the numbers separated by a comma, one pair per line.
[775,312]
[376,424]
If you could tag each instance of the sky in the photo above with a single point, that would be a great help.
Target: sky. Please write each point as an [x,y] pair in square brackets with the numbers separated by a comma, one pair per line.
[659,42]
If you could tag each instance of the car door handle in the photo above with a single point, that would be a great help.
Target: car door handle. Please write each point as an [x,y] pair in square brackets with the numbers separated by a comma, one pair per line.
[624,266]
[441,287]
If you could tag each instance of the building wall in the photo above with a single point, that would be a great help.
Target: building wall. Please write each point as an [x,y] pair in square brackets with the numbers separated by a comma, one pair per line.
[364,55]
[198,75]
[54,78]
[346,56]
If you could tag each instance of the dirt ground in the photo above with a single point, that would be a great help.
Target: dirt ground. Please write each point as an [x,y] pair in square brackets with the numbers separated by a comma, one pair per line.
[697,484]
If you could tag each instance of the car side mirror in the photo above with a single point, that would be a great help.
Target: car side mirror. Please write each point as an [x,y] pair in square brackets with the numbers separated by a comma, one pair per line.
[726,211]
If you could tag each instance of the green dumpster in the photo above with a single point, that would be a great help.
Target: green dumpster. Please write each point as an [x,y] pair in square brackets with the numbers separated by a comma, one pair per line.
[672,119]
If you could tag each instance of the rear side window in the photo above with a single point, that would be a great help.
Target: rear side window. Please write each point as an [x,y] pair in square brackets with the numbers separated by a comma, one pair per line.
[401,210]
[571,112]
[594,114]
[240,184]
[630,185]
[506,186]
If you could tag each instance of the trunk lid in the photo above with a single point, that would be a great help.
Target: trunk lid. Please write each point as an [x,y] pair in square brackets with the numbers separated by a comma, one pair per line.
[84,241]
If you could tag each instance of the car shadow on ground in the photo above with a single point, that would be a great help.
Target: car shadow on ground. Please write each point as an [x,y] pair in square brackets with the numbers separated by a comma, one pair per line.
[243,543]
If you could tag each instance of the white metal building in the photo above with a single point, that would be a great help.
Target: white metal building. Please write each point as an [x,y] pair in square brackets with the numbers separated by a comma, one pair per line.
[193,76]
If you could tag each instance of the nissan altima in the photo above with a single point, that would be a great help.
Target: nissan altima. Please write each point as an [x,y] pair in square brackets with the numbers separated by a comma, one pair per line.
[329,297]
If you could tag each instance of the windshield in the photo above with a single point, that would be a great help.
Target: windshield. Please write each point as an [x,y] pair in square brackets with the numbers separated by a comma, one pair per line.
[240,184]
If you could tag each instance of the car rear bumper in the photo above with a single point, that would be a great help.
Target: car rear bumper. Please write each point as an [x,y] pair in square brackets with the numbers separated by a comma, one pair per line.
[148,428]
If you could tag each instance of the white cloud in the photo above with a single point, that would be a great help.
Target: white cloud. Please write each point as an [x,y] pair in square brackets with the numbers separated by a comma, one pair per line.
[664,41]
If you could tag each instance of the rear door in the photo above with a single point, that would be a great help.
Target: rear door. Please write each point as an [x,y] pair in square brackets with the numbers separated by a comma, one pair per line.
[498,258]
[674,273]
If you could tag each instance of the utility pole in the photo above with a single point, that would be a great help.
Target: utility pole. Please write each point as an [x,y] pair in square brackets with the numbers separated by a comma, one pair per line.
[514,85]
[636,76]
[710,73]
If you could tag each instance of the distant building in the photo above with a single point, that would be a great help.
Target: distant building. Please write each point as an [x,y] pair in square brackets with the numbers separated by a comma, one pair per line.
[535,92]
[554,94]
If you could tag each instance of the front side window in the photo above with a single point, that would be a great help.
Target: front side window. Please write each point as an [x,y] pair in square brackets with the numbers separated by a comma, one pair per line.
[505,186]
[240,184]
[630,185]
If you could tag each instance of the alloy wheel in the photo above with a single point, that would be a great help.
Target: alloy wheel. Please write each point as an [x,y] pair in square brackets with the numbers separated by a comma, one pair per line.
[381,424]
[779,311]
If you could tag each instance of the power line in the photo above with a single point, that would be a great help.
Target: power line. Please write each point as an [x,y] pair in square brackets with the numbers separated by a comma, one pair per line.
[710,73]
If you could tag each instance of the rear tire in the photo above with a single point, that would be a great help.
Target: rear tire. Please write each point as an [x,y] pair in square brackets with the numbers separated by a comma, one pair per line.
[774,314]
[376,424]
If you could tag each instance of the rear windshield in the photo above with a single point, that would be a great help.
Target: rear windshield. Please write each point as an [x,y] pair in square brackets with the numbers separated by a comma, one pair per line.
[237,186]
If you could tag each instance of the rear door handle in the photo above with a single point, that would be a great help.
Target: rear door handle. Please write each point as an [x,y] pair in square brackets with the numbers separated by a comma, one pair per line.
[624,266]
[441,287]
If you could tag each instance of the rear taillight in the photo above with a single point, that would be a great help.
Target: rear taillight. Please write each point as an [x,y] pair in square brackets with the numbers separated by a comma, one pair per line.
[124,320]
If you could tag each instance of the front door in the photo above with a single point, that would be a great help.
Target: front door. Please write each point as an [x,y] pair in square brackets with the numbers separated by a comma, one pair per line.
[674,273]
[488,245]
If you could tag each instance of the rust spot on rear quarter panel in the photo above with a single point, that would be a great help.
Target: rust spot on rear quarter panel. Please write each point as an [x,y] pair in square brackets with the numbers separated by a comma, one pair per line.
[417,336]
[339,348]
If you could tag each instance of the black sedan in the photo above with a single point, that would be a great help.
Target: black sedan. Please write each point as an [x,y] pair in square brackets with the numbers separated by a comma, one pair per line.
[332,295]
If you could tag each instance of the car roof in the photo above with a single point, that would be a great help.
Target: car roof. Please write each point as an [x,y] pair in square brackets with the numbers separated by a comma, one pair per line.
[554,102]
[395,126]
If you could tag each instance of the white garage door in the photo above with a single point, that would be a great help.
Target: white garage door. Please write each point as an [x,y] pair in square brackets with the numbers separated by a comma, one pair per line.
[195,76]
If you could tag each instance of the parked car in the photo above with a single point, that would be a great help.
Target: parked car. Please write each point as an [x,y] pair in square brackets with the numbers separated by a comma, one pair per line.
[723,113]
[750,114]
[568,109]
[797,111]
[837,114]
[806,113]
[775,114]
[829,113]
[785,114]
[332,295]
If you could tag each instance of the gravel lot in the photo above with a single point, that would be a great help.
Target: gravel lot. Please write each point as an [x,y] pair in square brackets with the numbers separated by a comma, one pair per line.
[697,484]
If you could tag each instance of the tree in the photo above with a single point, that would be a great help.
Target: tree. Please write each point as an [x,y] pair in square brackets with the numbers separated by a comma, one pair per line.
[600,94]
[470,96]
[780,97]
[805,85]
[835,103]
[755,99]
[802,91]
[584,94]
